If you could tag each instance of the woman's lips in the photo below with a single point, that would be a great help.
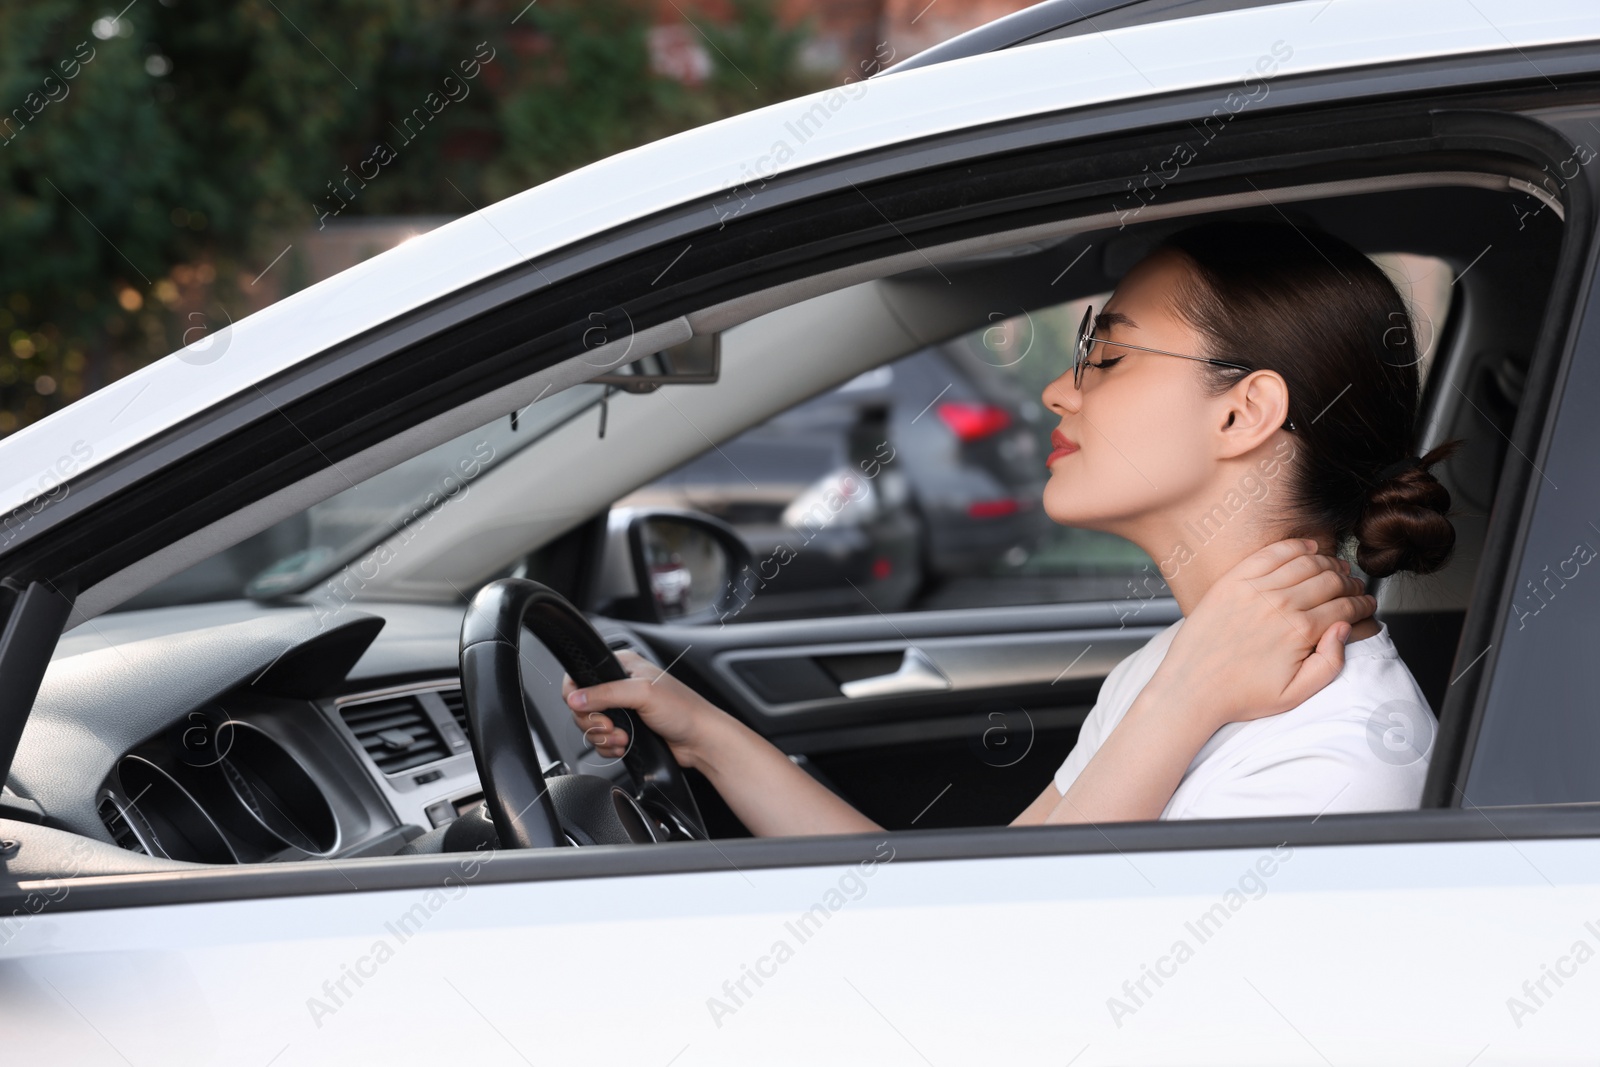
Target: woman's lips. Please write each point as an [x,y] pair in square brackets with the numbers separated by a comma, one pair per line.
[1063,447]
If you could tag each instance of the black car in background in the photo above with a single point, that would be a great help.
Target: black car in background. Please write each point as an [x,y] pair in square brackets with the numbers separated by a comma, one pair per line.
[872,495]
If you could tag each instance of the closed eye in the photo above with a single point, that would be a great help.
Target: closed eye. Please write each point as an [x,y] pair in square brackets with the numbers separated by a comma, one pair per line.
[1104,363]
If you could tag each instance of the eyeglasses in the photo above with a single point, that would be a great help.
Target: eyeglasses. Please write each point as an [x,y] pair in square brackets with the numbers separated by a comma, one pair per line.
[1087,340]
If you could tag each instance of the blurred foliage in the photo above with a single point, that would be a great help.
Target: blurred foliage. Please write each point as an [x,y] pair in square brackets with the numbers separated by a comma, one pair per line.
[152,166]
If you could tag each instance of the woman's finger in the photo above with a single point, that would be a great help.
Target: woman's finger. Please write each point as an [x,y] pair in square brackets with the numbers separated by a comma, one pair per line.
[627,693]
[1299,568]
[616,743]
[1269,558]
[599,730]
[1319,668]
[1345,609]
[637,666]
[591,720]
[595,726]
[610,743]
[1320,588]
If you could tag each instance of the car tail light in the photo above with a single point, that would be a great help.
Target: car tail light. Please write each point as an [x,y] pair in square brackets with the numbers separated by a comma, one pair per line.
[992,509]
[970,422]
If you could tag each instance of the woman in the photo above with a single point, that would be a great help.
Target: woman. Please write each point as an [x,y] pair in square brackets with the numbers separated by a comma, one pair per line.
[1284,430]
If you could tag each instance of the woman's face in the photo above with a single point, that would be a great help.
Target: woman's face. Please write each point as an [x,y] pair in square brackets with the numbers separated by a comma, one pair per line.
[1140,423]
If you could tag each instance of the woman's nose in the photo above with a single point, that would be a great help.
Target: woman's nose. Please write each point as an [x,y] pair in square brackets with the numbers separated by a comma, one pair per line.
[1061,396]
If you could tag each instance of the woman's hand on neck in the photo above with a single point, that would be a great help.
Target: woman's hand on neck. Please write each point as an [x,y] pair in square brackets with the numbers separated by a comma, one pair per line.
[1231,543]
[1196,542]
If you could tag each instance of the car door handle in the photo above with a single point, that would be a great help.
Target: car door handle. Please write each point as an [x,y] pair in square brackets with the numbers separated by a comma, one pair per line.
[917,674]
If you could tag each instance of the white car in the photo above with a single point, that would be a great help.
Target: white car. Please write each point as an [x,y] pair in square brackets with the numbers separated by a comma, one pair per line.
[248,831]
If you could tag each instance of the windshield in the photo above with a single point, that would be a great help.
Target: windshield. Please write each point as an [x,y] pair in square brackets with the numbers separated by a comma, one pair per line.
[309,546]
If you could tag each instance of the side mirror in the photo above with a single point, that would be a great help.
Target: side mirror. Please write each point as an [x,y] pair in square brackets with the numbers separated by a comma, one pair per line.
[669,565]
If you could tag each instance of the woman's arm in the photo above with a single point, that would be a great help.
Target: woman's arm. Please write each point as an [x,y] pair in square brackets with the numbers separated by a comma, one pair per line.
[1136,771]
[1197,689]
[769,794]
[1138,768]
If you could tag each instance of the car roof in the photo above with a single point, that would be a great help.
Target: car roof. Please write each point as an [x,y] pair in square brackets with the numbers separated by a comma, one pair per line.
[697,164]
[1055,19]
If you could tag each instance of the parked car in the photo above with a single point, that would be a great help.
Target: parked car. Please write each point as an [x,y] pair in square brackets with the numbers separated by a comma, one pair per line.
[212,810]
[820,499]
[933,458]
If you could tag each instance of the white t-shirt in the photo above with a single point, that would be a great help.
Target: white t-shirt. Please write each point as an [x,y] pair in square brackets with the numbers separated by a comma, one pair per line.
[1361,743]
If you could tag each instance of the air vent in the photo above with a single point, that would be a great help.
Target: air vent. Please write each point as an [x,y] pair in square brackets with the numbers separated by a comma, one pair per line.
[396,732]
[458,707]
[118,826]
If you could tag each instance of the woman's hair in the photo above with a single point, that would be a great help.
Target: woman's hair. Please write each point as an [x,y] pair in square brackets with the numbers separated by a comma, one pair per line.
[1310,306]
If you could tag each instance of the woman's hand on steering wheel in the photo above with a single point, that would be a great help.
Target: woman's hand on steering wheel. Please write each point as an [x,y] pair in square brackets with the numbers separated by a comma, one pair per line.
[669,707]
[1268,634]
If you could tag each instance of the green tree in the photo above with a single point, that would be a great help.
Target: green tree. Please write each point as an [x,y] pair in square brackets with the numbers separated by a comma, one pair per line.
[151,166]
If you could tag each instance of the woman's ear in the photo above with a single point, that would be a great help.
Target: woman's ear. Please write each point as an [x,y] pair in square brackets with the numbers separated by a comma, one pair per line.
[1256,407]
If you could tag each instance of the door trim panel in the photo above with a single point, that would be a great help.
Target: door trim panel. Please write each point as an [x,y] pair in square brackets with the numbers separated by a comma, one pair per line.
[1023,654]
[972,663]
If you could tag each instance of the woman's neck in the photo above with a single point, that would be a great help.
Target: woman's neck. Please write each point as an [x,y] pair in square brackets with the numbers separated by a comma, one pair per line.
[1193,554]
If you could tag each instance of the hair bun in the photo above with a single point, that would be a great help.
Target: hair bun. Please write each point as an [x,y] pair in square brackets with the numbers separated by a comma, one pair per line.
[1404,525]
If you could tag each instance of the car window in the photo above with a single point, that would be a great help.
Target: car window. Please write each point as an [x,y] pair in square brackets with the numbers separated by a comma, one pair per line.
[917,485]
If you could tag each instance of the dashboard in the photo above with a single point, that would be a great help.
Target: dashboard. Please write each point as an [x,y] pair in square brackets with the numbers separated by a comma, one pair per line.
[240,733]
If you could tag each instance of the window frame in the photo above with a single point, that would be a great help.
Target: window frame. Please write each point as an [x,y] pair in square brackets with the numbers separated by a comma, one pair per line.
[1512,515]
[1558,382]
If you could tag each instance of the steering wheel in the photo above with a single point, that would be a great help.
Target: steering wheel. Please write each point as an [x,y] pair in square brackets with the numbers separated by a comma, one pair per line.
[529,811]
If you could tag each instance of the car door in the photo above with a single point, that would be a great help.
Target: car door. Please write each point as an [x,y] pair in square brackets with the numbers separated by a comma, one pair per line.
[1352,938]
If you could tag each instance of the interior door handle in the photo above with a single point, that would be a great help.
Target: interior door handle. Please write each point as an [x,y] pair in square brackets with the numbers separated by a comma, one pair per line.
[917,674]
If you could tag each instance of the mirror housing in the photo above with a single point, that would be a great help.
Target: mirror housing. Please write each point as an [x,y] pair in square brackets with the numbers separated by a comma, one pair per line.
[669,565]
[697,361]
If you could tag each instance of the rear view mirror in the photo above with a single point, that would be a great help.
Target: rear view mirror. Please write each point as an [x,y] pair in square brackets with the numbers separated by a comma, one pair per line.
[697,361]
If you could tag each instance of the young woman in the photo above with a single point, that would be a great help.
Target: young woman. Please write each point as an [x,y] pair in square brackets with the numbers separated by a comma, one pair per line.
[1283,431]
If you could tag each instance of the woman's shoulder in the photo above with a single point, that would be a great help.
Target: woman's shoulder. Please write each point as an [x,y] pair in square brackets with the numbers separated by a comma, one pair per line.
[1362,743]
[1374,694]
[1374,674]
[1137,668]
[1123,682]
